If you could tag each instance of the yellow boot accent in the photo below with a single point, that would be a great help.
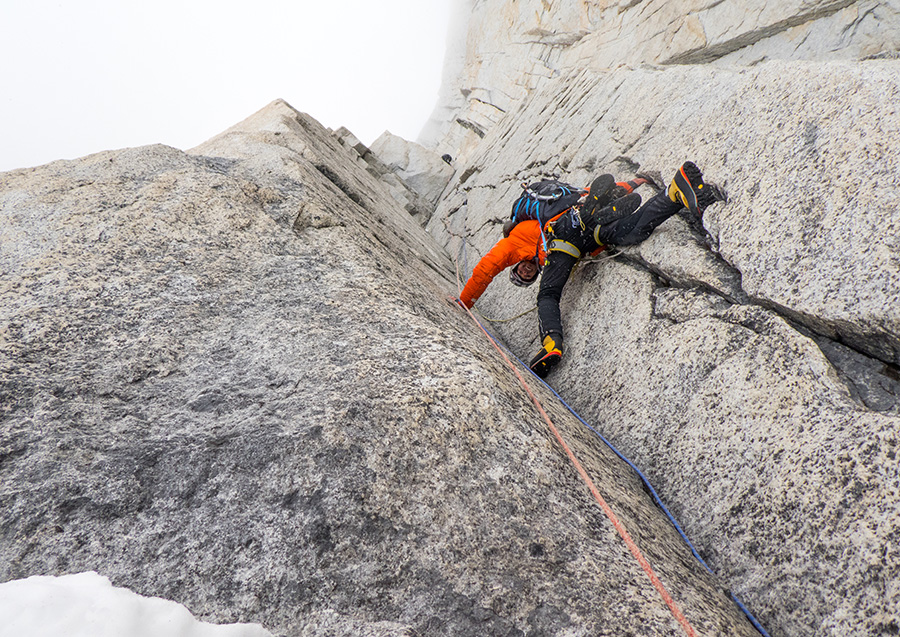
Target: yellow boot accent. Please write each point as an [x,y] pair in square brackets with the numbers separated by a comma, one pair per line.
[550,345]
[687,186]
[548,357]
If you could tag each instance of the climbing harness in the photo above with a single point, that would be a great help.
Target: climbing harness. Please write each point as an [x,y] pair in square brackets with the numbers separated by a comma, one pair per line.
[558,245]
[607,510]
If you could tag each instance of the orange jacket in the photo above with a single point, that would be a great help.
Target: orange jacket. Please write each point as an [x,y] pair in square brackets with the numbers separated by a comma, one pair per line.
[523,242]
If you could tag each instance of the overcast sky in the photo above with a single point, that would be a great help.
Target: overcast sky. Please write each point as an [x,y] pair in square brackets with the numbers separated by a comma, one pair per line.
[82,76]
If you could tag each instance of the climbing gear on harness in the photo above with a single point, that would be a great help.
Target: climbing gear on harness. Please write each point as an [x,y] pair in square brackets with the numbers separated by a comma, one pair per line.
[516,277]
[549,356]
[687,188]
[543,200]
[621,207]
[585,223]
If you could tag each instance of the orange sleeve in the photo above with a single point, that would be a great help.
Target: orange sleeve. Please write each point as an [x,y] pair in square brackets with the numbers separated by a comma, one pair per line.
[522,243]
[500,257]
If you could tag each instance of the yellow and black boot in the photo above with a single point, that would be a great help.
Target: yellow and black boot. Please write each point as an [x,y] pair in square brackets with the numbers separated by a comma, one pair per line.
[619,208]
[599,195]
[549,356]
[688,189]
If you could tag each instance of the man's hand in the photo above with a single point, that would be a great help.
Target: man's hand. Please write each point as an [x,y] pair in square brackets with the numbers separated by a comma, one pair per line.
[455,302]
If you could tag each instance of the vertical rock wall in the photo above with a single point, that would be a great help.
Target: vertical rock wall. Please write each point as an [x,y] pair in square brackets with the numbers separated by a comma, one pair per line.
[515,46]
[230,378]
[748,364]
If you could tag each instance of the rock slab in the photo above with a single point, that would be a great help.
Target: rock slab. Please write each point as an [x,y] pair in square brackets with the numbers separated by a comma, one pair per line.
[229,378]
[749,362]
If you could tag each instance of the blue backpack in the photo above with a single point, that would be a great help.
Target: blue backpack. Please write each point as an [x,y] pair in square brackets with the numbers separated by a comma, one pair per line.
[543,200]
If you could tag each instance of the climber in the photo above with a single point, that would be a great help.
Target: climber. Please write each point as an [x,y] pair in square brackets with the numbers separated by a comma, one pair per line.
[522,245]
[522,249]
[600,222]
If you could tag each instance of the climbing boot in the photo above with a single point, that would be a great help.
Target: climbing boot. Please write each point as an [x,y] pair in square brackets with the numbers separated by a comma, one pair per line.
[621,207]
[548,357]
[599,195]
[688,189]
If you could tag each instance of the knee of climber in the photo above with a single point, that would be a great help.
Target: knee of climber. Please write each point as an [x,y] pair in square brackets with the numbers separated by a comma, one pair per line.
[549,293]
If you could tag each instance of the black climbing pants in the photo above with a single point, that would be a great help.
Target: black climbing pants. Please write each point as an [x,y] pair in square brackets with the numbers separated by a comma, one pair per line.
[629,230]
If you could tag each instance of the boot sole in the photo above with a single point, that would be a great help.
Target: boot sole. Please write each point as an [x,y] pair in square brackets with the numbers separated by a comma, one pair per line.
[689,181]
[597,198]
[620,208]
[542,367]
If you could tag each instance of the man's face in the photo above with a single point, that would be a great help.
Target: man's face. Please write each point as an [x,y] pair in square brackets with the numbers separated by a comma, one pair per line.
[527,270]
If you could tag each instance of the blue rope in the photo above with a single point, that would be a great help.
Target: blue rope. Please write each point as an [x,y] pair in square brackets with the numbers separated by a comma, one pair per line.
[643,478]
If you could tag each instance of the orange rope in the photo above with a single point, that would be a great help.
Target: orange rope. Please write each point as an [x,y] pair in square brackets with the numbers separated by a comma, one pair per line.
[617,524]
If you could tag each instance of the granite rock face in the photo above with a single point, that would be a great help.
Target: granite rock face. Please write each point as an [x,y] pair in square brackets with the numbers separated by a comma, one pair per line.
[512,47]
[406,193]
[422,169]
[748,363]
[230,378]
